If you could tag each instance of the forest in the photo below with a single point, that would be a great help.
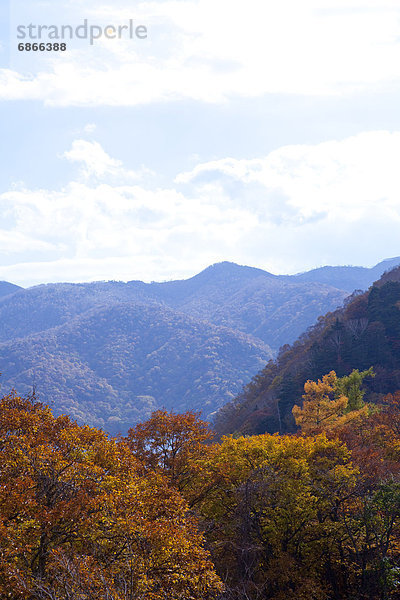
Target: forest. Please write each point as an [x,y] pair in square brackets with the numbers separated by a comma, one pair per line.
[294,496]
[172,512]
[364,333]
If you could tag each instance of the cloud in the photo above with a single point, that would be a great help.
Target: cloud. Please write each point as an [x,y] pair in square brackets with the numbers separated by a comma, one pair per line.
[210,52]
[337,179]
[336,202]
[95,162]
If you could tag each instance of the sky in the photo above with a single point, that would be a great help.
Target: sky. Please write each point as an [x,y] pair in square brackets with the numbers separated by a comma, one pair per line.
[263,133]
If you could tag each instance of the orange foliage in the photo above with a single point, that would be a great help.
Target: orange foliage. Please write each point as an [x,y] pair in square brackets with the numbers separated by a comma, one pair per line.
[176,445]
[77,520]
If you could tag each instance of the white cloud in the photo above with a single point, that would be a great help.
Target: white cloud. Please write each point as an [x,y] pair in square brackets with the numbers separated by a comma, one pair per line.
[97,163]
[336,202]
[210,51]
[335,178]
[96,160]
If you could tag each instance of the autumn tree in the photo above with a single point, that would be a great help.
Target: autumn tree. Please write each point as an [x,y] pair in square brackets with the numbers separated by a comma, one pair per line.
[374,440]
[321,408]
[274,517]
[175,445]
[79,519]
[331,401]
[310,517]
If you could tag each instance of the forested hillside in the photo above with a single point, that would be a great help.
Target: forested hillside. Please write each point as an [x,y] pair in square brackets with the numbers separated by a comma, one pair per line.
[242,298]
[173,510]
[365,333]
[112,367]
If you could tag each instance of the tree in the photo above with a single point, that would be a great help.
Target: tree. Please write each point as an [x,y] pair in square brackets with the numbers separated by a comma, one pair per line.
[350,386]
[274,517]
[321,409]
[80,519]
[331,402]
[175,445]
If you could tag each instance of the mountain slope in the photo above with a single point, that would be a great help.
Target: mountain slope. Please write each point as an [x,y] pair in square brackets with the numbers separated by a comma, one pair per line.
[366,332]
[112,366]
[274,308]
[7,288]
[42,307]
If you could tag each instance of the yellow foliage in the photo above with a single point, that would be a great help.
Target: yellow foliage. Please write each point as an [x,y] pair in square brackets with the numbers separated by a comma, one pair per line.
[323,408]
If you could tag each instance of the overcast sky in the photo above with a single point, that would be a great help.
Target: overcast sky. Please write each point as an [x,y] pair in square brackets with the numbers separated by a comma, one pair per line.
[261,132]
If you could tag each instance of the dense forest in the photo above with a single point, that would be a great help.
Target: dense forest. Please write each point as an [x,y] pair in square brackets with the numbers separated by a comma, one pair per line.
[112,366]
[169,512]
[364,333]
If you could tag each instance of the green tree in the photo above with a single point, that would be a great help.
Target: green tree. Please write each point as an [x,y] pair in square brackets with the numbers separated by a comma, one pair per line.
[350,386]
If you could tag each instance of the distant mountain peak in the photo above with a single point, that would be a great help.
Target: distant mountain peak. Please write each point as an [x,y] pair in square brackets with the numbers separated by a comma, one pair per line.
[7,288]
[230,268]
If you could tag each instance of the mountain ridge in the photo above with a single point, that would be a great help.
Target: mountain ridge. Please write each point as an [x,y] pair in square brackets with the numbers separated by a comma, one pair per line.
[217,330]
[319,274]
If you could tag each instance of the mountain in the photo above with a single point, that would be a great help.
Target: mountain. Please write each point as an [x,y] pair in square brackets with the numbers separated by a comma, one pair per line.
[245,299]
[273,308]
[110,352]
[270,307]
[112,366]
[42,307]
[349,278]
[364,333]
[7,288]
